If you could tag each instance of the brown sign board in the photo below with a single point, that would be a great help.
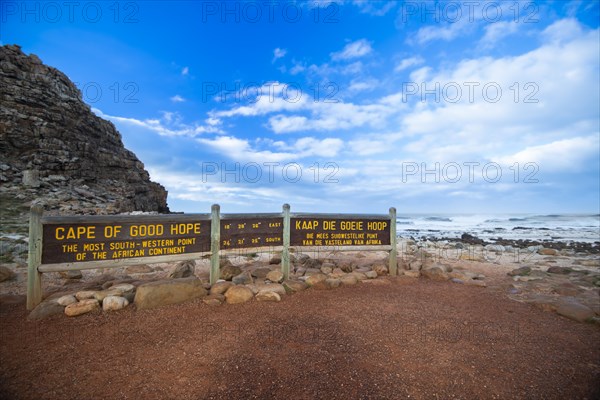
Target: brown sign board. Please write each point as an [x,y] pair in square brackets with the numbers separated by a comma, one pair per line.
[323,231]
[251,232]
[83,242]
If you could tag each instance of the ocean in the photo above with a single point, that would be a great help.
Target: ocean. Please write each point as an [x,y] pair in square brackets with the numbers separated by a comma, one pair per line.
[553,227]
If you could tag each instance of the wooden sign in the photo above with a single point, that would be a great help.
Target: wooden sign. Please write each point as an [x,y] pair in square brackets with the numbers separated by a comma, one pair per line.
[84,242]
[323,231]
[251,232]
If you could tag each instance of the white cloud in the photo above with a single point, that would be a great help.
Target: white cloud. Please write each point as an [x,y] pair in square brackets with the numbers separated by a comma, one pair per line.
[497,31]
[185,71]
[557,156]
[363,85]
[409,62]
[562,31]
[242,150]
[297,68]
[278,53]
[169,125]
[367,147]
[375,8]
[352,50]
[445,32]
[177,99]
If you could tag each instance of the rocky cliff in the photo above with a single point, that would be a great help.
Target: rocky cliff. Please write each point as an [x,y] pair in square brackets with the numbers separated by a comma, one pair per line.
[55,150]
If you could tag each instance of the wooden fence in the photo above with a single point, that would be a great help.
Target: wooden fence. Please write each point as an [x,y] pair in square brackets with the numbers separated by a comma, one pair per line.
[87,242]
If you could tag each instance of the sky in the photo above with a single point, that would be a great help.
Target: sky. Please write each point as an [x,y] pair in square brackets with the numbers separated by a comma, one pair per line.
[345,106]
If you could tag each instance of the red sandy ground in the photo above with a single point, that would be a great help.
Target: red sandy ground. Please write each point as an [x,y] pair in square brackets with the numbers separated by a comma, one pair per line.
[405,339]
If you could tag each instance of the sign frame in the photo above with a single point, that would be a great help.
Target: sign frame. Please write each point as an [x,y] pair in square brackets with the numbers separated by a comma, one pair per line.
[38,220]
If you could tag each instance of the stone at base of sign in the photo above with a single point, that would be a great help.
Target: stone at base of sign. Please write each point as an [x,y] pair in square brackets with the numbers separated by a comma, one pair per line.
[85,294]
[294,286]
[45,309]
[261,273]
[371,274]
[348,280]
[82,307]
[166,292]
[242,279]
[359,275]
[275,276]
[229,271]
[214,299]
[316,278]
[268,296]
[220,287]
[114,303]
[100,296]
[412,274]
[268,287]
[333,282]
[66,300]
[238,294]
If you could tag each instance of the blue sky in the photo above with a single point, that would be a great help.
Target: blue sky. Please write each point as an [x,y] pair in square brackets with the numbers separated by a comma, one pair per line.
[346,106]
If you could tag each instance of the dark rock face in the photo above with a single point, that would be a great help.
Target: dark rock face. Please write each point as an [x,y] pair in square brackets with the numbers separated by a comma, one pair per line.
[53,148]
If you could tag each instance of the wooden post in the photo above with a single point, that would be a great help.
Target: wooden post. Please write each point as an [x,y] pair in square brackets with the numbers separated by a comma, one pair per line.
[34,259]
[215,241]
[393,267]
[285,253]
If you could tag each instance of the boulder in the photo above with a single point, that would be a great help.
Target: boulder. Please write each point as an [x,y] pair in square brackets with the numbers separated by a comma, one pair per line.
[270,287]
[82,307]
[326,269]
[85,294]
[229,271]
[66,300]
[268,296]
[336,273]
[347,266]
[575,311]
[183,269]
[435,273]
[359,275]
[292,286]
[243,279]
[220,287]
[412,274]
[314,279]
[333,282]
[123,288]
[165,292]
[348,280]
[105,293]
[380,269]
[261,273]
[275,260]
[114,303]
[275,276]
[46,309]
[238,294]
[214,299]
[371,274]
